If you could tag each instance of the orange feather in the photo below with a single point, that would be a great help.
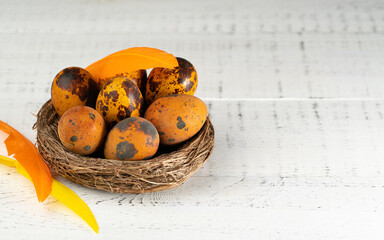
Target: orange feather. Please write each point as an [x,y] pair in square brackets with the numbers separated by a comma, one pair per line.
[129,60]
[26,153]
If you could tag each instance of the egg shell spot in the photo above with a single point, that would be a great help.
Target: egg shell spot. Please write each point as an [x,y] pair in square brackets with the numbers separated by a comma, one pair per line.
[125,150]
[180,124]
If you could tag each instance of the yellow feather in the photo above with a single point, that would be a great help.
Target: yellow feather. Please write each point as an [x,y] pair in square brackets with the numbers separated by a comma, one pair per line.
[7,161]
[61,193]
[74,202]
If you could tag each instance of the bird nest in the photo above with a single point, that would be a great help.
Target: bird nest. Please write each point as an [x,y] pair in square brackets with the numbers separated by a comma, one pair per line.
[169,168]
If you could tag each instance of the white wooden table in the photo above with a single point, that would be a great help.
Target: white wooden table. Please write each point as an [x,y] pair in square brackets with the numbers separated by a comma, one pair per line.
[295,91]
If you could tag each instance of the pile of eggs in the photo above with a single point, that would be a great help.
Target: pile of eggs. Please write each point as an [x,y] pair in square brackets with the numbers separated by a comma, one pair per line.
[129,116]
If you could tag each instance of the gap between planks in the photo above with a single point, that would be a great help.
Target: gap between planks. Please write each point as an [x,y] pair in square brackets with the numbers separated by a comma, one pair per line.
[293,99]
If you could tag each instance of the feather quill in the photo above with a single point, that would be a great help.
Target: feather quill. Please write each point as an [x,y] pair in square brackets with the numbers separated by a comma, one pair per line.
[129,60]
[26,153]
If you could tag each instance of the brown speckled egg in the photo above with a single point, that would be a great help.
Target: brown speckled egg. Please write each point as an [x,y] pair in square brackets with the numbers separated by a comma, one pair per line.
[163,82]
[132,139]
[120,98]
[82,130]
[139,77]
[70,88]
[177,117]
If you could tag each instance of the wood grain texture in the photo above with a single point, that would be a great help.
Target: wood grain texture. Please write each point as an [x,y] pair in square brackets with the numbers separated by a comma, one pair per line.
[294,89]
[274,49]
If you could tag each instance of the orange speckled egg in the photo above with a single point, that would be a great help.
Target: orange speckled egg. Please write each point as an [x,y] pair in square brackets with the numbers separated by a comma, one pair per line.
[139,77]
[177,117]
[120,98]
[82,130]
[70,88]
[163,82]
[132,139]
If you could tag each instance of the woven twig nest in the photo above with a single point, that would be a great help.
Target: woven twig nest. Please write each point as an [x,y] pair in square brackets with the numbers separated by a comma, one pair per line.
[164,171]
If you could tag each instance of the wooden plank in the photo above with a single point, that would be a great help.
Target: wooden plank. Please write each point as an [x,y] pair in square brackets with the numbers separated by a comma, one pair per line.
[276,164]
[247,49]
[255,66]
[244,16]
